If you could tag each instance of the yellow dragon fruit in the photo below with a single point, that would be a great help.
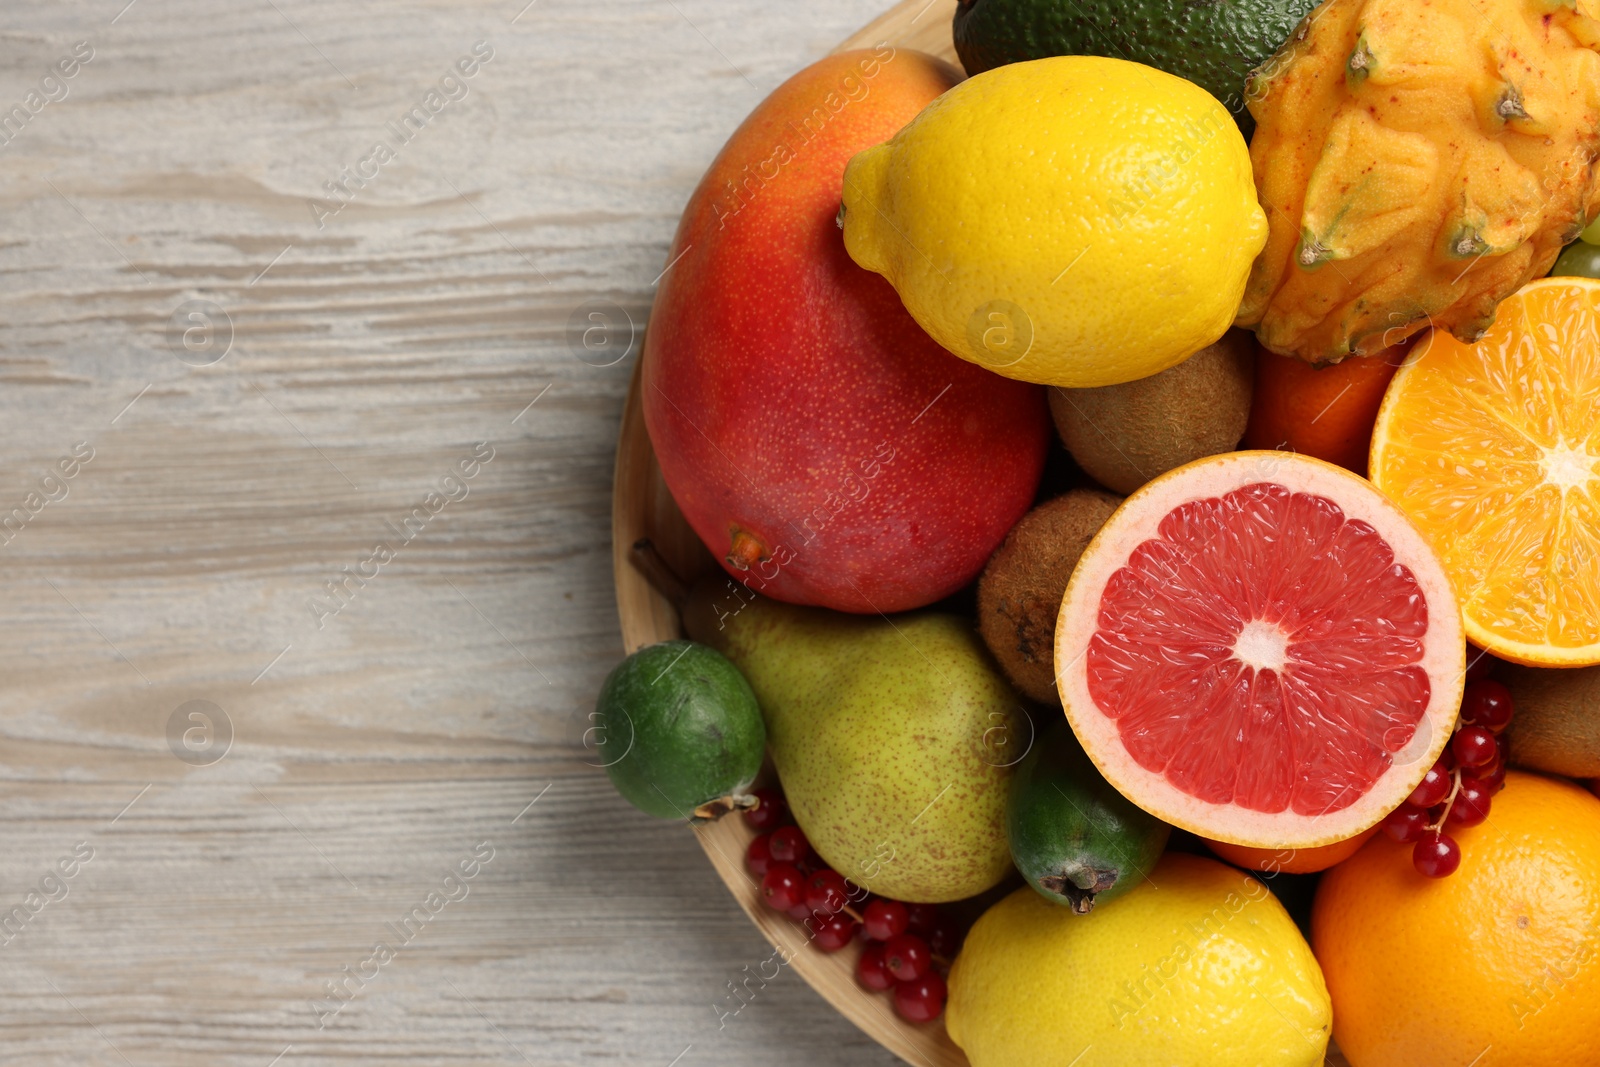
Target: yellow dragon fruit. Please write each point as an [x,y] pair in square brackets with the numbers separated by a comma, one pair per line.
[1419,161]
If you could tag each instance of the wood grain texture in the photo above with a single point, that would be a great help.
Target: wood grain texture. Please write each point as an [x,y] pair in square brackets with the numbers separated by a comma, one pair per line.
[369,355]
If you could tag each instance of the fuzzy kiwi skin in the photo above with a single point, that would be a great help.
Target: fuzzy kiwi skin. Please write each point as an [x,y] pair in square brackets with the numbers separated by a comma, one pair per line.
[1124,435]
[1555,724]
[1019,594]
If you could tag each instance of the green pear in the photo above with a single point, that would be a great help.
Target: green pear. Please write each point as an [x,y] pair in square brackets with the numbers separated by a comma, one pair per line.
[894,737]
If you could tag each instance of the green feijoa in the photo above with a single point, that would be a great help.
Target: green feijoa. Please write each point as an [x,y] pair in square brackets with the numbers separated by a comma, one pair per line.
[1075,838]
[677,728]
[1580,259]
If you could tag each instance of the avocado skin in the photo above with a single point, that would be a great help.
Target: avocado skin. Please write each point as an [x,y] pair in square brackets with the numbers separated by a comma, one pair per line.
[1076,839]
[1213,43]
[677,726]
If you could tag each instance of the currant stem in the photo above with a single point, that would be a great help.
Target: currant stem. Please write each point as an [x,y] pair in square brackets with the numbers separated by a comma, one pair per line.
[1455,777]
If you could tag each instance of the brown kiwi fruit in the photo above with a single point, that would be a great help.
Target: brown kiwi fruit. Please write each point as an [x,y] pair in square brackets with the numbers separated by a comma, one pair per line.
[1124,435]
[1020,592]
[1555,721]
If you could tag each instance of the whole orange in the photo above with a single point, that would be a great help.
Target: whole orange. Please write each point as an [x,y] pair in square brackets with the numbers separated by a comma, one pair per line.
[1326,412]
[1496,965]
[1290,860]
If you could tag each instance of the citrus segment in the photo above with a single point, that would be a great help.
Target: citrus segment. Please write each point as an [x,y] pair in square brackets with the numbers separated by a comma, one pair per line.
[1493,450]
[1258,647]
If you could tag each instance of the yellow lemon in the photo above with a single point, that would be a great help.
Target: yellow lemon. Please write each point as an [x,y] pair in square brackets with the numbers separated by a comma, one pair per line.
[1207,970]
[1075,221]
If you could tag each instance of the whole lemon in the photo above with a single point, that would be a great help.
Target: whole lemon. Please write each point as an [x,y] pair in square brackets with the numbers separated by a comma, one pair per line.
[1075,221]
[1208,969]
[1496,965]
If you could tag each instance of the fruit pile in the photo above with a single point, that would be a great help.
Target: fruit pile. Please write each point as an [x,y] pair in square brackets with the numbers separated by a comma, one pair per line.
[1256,713]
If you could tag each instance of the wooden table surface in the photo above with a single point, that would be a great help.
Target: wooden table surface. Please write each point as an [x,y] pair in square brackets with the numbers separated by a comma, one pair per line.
[304,498]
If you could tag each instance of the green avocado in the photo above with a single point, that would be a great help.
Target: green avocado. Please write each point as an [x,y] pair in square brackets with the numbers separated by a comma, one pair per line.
[1076,839]
[677,727]
[1213,43]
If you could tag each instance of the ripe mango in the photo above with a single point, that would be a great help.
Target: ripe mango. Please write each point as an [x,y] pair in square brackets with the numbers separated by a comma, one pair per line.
[824,448]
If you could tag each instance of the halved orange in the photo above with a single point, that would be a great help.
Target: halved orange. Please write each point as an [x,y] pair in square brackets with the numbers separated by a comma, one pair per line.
[1493,450]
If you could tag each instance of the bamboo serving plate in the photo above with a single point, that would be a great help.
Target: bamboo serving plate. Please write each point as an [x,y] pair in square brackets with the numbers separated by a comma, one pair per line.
[654,552]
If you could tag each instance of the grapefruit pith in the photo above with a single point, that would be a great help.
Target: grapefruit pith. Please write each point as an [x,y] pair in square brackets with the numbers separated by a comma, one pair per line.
[1260,648]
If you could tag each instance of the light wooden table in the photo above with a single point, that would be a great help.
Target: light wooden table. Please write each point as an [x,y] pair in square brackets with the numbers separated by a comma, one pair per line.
[350,354]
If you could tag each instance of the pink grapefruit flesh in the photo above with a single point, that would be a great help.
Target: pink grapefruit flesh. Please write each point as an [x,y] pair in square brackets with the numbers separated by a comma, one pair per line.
[1260,648]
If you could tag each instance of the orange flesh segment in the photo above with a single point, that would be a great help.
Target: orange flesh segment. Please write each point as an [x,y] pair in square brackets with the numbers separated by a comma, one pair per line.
[1493,450]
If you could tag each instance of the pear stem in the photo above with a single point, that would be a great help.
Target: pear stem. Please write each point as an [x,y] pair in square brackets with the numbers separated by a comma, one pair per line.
[649,562]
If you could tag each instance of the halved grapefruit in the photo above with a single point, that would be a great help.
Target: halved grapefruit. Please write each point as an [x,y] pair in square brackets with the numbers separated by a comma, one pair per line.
[1260,648]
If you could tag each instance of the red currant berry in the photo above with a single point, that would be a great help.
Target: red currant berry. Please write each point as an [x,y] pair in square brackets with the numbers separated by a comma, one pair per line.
[871,971]
[921,917]
[1405,823]
[1487,703]
[885,919]
[944,939]
[1472,804]
[833,932]
[826,892]
[800,912]
[789,845]
[920,1001]
[1436,854]
[1492,777]
[1479,664]
[758,857]
[1434,787]
[1474,746]
[907,957]
[782,887]
[770,811]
